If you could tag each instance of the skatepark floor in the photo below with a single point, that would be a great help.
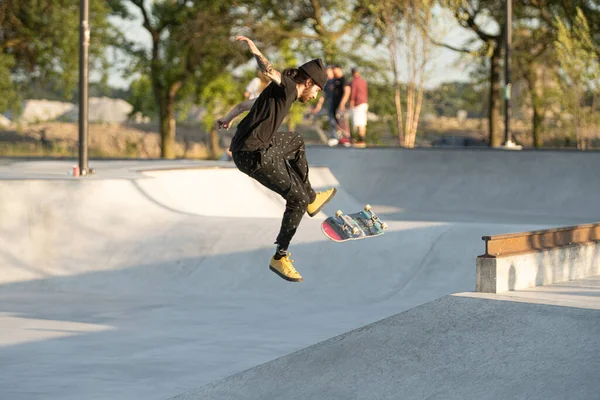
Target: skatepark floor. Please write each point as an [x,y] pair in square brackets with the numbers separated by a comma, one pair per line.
[150,280]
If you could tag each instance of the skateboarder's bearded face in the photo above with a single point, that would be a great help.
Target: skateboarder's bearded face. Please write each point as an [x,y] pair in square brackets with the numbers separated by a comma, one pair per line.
[307,91]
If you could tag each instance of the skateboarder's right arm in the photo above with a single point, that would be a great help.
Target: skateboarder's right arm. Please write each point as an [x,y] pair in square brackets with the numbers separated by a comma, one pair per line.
[225,122]
[319,105]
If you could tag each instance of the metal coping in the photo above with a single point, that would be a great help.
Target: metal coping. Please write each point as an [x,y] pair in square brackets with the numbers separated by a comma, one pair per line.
[534,241]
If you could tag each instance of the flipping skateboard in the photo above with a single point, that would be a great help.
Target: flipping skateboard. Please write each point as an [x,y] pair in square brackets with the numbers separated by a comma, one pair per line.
[360,225]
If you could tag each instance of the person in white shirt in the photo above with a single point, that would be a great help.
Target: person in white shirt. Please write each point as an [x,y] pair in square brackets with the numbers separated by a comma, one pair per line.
[256,86]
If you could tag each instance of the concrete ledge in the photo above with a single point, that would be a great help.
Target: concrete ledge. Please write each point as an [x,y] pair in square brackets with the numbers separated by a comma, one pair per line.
[534,241]
[521,271]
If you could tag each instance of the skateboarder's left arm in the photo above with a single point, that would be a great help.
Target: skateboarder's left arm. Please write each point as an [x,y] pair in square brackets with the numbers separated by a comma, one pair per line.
[264,64]
[241,108]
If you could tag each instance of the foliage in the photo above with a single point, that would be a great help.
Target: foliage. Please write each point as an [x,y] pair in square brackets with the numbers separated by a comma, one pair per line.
[313,28]
[42,39]
[9,99]
[218,97]
[141,97]
[450,97]
[556,52]
[579,70]
[191,46]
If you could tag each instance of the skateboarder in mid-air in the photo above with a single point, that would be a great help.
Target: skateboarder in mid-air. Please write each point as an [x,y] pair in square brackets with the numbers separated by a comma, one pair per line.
[278,159]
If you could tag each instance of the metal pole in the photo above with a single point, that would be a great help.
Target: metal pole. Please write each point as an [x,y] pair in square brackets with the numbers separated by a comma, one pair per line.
[84,43]
[507,83]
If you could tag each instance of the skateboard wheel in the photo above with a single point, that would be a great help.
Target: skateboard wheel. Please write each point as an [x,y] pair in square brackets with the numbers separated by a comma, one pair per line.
[384,226]
[338,213]
[368,207]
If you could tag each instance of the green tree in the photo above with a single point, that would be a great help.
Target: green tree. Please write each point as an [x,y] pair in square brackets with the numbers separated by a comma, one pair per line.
[450,97]
[579,71]
[191,45]
[39,41]
[219,96]
[403,28]
[382,19]
[9,99]
[485,18]
[314,28]
[534,62]
[535,57]
[141,97]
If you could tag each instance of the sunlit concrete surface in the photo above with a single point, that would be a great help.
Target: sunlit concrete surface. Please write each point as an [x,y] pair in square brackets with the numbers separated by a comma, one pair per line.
[16,330]
[154,283]
[462,346]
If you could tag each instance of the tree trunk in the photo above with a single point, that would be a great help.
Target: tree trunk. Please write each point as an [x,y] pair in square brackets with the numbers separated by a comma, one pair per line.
[495,95]
[535,84]
[398,101]
[167,128]
[214,147]
[537,125]
[393,52]
[410,108]
[329,48]
[416,116]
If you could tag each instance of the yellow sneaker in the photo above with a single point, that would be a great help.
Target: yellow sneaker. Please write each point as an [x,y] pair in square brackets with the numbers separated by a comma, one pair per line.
[285,269]
[320,201]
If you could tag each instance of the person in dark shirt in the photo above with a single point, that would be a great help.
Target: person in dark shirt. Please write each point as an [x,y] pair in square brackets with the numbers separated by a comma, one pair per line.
[327,98]
[275,159]
[340,90]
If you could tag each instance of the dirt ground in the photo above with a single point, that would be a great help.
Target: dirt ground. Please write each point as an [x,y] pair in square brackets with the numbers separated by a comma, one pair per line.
[105,140]
[60,139]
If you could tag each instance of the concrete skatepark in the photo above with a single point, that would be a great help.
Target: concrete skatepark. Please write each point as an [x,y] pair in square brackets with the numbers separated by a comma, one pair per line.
[150,280]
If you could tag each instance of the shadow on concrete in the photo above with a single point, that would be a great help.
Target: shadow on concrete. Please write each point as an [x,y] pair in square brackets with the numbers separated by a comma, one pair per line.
[452,348]
[176,322]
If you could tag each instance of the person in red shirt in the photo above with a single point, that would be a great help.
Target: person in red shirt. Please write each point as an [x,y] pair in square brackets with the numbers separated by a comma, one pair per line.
[359,105]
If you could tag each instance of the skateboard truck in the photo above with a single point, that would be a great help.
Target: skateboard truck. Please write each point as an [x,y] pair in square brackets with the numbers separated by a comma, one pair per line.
[345,223]
[360,225]
[375,218]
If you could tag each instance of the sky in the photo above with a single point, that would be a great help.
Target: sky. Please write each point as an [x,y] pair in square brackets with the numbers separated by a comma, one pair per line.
[445,66]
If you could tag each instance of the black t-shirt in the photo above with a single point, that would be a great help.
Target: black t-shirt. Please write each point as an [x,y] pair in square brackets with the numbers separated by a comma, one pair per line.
[270,108]
[338,92]
[328,92]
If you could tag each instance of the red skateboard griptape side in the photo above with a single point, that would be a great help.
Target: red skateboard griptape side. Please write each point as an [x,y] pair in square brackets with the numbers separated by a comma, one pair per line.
[330,232]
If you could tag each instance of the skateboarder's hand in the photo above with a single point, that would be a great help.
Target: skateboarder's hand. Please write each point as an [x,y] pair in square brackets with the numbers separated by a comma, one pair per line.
[249,42]
[222,123]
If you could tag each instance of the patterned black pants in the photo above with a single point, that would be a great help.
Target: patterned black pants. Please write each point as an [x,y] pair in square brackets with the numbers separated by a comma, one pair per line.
[282,168]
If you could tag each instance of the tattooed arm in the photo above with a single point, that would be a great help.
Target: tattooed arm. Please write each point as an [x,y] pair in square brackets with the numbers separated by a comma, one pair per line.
[225,122]
[264,64]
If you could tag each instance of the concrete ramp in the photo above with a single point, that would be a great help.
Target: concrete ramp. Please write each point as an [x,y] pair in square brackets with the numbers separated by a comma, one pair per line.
[150,279]
[479,185]
[463,346]
[193,191]
[66,227]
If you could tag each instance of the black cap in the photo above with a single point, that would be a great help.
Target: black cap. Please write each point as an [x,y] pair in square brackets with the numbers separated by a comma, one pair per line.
[316,70]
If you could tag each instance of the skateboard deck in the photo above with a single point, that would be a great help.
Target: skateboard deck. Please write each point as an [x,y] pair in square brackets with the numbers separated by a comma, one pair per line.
[360,225]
